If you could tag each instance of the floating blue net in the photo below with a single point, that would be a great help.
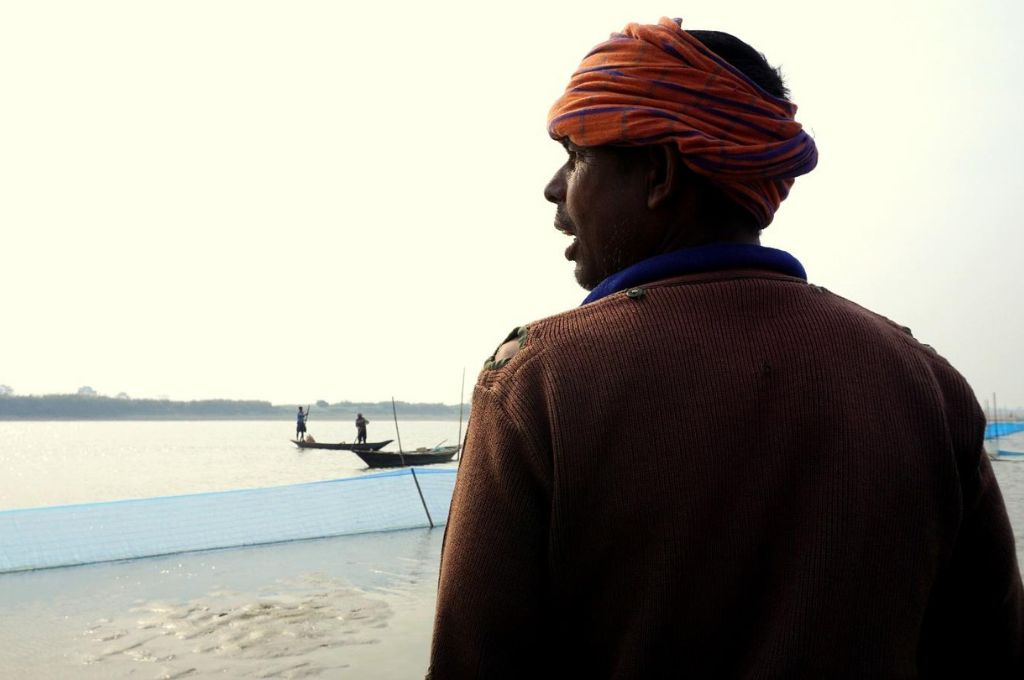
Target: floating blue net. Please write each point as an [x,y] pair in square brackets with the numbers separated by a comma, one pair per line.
[993,430]
[66,535]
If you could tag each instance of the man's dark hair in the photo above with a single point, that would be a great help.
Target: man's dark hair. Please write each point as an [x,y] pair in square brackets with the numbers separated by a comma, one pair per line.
[744,58]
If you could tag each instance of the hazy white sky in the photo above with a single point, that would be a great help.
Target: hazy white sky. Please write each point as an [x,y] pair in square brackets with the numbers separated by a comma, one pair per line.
[322,200]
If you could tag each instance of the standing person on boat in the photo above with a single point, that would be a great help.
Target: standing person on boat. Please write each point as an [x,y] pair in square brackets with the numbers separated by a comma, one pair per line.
[300,425]
[713,468]
[361,428]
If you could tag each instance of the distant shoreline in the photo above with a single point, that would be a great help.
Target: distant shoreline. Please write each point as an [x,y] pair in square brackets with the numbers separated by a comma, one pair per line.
[81,407]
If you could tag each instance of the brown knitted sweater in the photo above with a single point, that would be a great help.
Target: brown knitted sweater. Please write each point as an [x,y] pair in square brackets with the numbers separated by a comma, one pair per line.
[726,475]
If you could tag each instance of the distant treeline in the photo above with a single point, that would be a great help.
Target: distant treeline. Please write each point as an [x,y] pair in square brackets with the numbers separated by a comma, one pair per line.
[83,407]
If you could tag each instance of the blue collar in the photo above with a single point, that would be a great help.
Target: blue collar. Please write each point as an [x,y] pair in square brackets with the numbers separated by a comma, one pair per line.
[697,260]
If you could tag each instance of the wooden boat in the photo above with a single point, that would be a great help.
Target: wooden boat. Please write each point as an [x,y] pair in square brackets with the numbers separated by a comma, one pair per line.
[421,456]
[368,446]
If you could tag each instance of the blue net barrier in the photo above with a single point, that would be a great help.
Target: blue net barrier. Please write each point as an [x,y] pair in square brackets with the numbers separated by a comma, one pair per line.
[993,430]
[67,535]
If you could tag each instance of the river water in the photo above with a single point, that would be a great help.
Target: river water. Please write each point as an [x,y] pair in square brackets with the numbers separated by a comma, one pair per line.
[348,607]
[57,463]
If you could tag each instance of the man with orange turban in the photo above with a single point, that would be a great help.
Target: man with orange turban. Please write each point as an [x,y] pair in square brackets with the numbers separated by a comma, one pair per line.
[713,468]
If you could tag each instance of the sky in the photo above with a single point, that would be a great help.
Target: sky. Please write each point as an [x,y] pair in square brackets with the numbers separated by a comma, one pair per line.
[295,201]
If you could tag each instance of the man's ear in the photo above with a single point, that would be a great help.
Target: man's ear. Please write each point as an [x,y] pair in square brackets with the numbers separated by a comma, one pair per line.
[663,173]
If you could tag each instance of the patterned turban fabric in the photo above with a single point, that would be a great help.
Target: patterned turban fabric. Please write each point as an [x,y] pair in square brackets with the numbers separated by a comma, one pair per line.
[654,84]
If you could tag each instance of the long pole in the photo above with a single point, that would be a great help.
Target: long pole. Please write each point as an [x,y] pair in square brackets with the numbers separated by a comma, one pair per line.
[397,433]
[415,479]
[305,419]
[462,395]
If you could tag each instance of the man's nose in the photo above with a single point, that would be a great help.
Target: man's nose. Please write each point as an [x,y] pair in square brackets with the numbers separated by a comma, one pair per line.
[555,190]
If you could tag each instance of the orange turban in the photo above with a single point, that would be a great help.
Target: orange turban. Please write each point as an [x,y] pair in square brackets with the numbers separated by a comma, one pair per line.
[654,84]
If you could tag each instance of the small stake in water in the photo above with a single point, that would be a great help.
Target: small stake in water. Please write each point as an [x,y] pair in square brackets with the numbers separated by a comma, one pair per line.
[411,469]
[995,421]
[462,395]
